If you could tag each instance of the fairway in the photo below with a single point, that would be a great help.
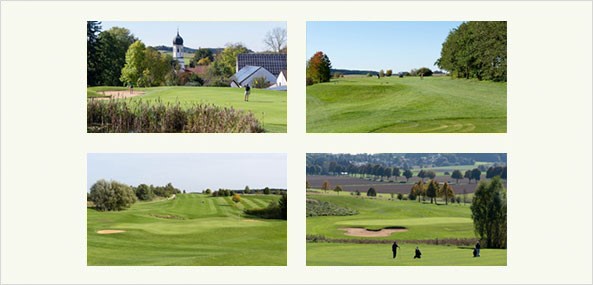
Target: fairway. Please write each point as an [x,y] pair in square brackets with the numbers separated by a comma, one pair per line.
[191,229]
[268,106]
[406,105]
[422,223]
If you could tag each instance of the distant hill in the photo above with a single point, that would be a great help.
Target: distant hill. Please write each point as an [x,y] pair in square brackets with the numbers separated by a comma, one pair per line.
[354,72]
[186,50]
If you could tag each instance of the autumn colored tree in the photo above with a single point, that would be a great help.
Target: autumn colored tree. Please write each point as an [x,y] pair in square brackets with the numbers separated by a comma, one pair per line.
[318,68]
[418,190]
[325,186]
[446,191]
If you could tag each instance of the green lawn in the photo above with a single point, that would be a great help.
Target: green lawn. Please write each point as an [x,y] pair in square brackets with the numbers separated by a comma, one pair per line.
[192,229]
[340,254]
[406,105]
[423,221]
[268,106]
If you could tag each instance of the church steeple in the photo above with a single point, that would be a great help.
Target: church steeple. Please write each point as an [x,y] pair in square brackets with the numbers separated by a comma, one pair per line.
[178,49]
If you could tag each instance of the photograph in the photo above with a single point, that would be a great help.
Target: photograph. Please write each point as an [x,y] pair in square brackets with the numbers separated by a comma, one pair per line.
[406,209]
[186,77]
[186,209]
[406,77]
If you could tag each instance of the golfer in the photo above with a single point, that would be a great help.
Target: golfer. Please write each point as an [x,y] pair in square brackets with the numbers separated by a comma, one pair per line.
[394,247]
[247,91]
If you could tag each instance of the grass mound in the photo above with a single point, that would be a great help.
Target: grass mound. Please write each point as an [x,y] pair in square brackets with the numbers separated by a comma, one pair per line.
[321,208]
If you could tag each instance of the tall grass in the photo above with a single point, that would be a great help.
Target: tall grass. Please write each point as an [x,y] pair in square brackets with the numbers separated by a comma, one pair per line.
[124,116]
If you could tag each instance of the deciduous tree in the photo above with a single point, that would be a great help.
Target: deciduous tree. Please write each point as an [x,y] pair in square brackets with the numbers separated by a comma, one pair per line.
[489,213]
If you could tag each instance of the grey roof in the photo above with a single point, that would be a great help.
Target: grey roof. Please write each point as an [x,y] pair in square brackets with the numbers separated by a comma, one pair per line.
[244,73]
[273,62]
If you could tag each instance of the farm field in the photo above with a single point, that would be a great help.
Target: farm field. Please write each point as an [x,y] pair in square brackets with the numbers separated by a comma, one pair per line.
[269,107]
[192,229]
[349,183]
[356,239]
[356,104]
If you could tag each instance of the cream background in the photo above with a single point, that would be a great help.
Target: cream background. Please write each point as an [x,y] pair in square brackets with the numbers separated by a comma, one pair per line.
[44,141]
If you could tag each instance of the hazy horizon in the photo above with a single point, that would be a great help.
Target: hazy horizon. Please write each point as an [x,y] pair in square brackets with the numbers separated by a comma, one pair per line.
[191,172]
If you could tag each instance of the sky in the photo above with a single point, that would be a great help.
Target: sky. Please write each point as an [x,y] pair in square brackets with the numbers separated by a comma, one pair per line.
[190,172]
[200,34]
[399,46]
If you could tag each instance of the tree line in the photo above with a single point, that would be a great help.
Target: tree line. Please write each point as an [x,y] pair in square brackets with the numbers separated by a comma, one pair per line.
[115,57]
[116,196]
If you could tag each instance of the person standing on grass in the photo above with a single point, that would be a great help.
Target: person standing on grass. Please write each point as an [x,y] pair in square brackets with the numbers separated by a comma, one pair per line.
[417,253]
[394,247]
[247,91]
[478,246]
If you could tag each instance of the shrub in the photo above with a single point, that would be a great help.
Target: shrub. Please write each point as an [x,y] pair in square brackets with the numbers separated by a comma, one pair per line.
[266,191]
[381,73]
[400,196]
[260,82]
[412,197]
[309,81]
[369,74]
[319,208]
[124,116]
[236,198]
[371,192]
[424,71]
[275,210]
[337,74]
[388,73]
[144,192]
[111,195]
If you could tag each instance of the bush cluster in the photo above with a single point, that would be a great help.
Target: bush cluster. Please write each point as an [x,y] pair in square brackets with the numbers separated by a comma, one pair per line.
[122,116]
[320,208]
[275,210]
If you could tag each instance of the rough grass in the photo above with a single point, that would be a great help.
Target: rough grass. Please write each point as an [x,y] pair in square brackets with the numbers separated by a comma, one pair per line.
[406,105]
[269,107]
[203,231]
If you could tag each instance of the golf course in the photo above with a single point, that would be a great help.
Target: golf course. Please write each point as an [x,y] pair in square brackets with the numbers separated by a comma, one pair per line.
[438,104]
[444,233]
[187,230]
[267,106]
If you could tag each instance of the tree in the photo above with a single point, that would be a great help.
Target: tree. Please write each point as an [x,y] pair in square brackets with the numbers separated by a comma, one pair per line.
[207,191]
[283,205]
[423,71]
[456,175]
[247,190]
[203,56]
[476,50]
[476,174]
[489,213]
[266,191]
[381,73]
[400,196]
[447,192]
[430,174]
[236,198]
[225,62]
[417,190]
[468,175]
[494,171]
[111,195]
[113,45]
[408,174]
[422,174]
[432,190]
[389,72]
[92,56]
[319,68]
[134,67]
[144,192]
[275,39]
[371,192]
[338,189]
[325,186]
[396,173]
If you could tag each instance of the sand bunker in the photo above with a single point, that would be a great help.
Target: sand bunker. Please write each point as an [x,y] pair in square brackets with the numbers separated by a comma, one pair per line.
[108,232]
[362,232]
[119,94]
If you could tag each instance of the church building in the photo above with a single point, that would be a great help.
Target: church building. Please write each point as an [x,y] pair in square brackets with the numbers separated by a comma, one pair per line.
[178,51]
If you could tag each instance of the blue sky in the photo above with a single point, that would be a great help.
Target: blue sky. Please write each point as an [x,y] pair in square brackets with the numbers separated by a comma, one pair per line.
[399,46]
[200,34]
[190,172]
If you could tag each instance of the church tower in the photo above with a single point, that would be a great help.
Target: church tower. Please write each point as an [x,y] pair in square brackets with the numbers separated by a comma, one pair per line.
[178,50]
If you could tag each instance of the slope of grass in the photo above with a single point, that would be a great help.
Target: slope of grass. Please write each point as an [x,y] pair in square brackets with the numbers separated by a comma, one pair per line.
[406,105]
[189,230]
[423,221]
[268,106]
